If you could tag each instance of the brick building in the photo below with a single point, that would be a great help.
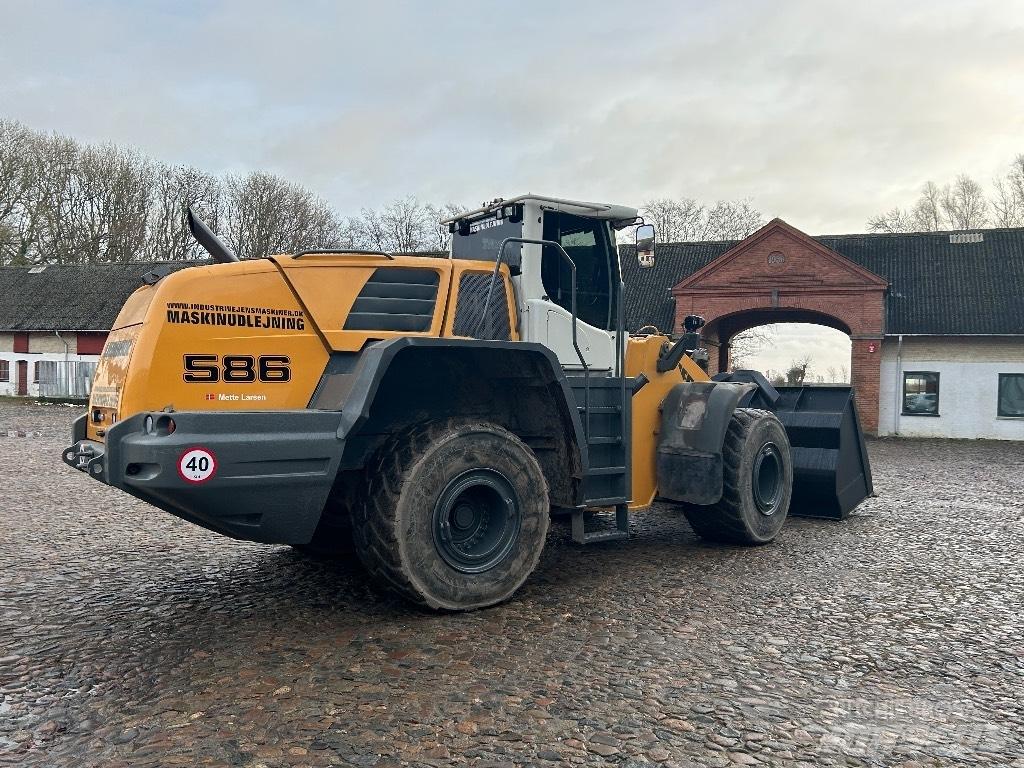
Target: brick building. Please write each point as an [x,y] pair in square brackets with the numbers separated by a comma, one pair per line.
[936,320]
[54,322]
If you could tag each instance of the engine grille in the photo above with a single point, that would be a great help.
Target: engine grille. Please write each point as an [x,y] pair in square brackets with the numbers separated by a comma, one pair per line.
[395,299]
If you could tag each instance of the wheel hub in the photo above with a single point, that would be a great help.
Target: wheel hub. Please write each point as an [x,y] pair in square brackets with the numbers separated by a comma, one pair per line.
[766,479]
[476,520]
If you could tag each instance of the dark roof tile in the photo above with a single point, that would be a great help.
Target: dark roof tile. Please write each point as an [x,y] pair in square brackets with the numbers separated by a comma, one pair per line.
[83,297]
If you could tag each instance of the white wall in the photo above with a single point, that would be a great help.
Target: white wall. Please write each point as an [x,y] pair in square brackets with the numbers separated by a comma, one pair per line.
[43,347]
[968,369]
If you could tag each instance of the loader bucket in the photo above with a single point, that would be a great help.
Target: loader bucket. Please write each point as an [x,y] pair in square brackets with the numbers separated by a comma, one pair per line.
[831,469]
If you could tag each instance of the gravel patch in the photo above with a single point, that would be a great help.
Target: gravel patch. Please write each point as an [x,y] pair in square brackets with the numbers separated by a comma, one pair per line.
[131,638]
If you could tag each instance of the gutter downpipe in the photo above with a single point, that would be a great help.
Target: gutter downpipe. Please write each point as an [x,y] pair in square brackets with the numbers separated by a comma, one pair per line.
[67,361]
[899,375]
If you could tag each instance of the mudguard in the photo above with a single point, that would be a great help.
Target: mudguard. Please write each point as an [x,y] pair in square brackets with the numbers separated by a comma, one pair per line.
[694,420]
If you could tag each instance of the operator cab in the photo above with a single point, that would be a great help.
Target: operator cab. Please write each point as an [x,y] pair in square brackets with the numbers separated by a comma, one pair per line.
[542,276]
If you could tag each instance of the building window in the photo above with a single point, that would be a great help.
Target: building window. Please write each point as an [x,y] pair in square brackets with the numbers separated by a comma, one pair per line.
[1011,395]
[920,393]
[35,376]
[5,370]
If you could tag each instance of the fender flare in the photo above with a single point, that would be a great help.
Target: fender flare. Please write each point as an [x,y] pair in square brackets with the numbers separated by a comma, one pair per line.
[694,420]
[372,368]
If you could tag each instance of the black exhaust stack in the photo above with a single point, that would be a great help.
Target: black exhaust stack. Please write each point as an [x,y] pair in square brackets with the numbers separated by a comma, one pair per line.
[831,468]
[206,238]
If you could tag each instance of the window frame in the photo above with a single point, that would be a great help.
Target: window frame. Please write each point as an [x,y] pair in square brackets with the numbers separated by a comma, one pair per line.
[999,398]
[903,393]
[5,371]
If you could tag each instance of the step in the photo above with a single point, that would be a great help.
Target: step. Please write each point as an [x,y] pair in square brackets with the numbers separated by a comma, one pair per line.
[581,535]
[596,382]
[604,440]
[594,471]
[600,408]
[609,501]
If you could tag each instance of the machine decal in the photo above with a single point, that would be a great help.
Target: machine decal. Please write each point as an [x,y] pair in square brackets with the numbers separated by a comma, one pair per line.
[229,397]
[181,313]
[237,369]
[197,465]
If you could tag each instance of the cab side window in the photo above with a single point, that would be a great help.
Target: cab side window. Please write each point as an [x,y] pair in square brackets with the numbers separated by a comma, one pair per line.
[587,243]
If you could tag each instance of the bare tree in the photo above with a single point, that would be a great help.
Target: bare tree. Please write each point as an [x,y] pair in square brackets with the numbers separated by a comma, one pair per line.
[675,220]
[798,371]
[964,203]
[927,214]
[893,220]
[265,214]
[441,239]
[960,205]
[1008,200]
[731,220]
[744,345]
[176,188]
[402,226]
[17,181]
[686,220]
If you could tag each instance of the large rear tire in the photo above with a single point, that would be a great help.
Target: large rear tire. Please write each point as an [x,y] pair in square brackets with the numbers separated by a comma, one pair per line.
[757,483]
[454,515]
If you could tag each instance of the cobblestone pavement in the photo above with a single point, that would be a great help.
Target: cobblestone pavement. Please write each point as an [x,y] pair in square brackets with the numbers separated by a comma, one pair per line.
[130,638]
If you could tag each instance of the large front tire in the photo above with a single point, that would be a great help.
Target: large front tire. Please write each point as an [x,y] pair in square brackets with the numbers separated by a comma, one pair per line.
[454,515]
[757,483]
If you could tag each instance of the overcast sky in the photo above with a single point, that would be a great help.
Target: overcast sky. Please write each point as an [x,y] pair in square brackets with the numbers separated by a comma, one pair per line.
[822,113]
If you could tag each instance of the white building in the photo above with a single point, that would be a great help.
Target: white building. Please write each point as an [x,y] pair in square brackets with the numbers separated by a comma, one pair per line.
[953,386]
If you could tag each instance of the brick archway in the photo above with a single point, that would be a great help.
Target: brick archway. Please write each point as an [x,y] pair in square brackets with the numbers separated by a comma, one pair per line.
[779,275]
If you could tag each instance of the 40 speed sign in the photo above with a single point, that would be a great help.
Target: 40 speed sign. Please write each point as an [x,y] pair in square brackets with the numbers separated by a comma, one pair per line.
[197,465]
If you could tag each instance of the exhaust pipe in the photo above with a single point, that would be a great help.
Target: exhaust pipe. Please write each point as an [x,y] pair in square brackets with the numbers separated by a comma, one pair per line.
[206,238]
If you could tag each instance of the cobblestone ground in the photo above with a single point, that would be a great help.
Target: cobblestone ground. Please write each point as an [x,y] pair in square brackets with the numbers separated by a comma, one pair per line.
[130,638]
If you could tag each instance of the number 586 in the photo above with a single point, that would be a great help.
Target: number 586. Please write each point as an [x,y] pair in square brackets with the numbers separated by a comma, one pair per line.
[237,369]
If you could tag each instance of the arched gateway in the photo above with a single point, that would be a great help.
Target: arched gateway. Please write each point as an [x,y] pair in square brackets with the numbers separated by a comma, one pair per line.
[780,275]
[936,319]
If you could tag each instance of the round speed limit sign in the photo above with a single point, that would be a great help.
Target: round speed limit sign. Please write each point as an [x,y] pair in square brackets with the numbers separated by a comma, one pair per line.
[196,465]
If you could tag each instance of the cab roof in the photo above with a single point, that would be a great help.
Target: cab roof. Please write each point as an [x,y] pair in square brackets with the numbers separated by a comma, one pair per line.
[593,210]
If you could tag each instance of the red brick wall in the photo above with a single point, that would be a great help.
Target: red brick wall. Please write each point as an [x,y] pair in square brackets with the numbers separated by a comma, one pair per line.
[866,377]
[780,275]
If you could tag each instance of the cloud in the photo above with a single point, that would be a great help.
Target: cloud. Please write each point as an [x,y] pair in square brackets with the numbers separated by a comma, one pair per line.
[826,347]
[823,114]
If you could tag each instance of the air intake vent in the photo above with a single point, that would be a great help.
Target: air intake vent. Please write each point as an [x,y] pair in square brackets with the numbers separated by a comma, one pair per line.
[469,312]
[959,238]
[395,299]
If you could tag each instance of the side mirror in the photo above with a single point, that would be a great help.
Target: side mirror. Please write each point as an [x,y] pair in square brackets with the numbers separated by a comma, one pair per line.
[645,245]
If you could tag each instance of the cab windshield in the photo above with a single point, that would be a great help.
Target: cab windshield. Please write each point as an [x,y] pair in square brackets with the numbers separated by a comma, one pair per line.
[588,243]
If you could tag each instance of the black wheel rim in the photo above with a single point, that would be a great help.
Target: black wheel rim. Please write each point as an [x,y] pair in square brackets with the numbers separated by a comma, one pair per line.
[767,479]
[476,520]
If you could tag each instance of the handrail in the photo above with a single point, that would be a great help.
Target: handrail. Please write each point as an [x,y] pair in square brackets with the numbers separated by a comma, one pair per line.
[572,267]
[342,252]
[575,343]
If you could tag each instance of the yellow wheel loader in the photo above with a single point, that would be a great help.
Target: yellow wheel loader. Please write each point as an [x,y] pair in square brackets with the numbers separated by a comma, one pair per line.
[437,411]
